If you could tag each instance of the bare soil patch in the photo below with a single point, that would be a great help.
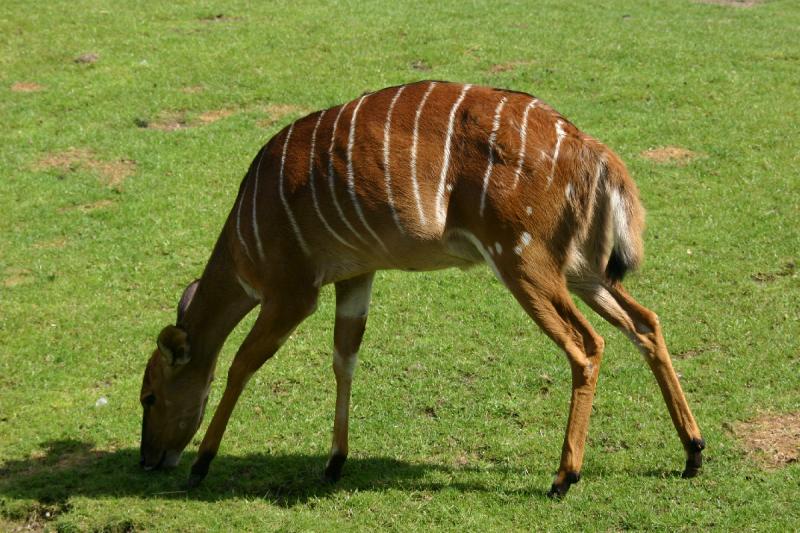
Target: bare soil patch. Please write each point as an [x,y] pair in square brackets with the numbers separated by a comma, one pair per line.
[276,112]
[787,270]
[731,3]
[670,154]
[14,276]
[88,208]
[420,65]
[112,173]
[57,244]
[694,352]
[165,121]
[179,120]
[89,58]
[212,116]
[772,440]
[26,87]
[505,67]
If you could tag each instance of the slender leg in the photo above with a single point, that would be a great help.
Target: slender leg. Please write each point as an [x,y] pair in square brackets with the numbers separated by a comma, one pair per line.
[553,310]
[352,306]
[641,325]
[273,326]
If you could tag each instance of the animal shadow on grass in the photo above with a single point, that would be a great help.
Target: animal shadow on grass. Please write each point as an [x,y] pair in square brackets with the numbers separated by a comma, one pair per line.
[68,468]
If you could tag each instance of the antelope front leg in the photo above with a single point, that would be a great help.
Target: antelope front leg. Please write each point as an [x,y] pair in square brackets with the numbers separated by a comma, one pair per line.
[352,305]
[272,327]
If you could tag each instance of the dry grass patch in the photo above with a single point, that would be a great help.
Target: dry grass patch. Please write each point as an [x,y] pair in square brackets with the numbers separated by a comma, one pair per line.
[112,173]
[192,89]
[178,120]
[731,3]
[88,208]
[670,154]
[26,87]
[14,276]
[212,116]
[773,440]
[276,112]
[51,244]
[505,67]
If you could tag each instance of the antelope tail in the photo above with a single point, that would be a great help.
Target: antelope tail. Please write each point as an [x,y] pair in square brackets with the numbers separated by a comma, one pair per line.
[627,221]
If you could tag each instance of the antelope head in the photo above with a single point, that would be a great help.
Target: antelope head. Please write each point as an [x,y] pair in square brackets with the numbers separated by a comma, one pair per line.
[173,394]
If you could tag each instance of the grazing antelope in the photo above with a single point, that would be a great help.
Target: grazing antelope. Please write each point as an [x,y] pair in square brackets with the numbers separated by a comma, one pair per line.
[417,177]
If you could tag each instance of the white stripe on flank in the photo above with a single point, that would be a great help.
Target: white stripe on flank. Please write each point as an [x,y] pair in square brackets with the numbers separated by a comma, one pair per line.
[239,221]
[255,197]
[523,136]
[524,241]
[289,213]
[331,176]
[351,182]
[492,139]
[311,182]
[386,135]
[414,141]
[440,211]
[560,134]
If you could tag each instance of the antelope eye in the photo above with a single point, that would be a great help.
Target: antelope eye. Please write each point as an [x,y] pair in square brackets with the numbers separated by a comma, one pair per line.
[149,400]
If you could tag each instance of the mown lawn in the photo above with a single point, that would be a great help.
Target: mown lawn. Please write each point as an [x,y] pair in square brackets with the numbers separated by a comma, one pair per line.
[126,131]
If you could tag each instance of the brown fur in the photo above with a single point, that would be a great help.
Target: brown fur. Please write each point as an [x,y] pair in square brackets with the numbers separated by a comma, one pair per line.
[550,223]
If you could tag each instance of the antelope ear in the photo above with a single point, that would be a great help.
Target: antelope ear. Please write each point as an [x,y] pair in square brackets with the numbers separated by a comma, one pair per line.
[186,299]
[173,343]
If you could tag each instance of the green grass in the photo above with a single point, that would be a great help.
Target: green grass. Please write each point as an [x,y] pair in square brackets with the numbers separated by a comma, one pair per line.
[459,403]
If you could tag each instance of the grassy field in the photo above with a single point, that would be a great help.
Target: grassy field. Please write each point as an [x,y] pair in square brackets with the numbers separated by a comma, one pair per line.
[126,131]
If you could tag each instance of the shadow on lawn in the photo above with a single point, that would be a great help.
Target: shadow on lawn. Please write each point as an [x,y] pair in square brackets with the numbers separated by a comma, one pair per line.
[68,468]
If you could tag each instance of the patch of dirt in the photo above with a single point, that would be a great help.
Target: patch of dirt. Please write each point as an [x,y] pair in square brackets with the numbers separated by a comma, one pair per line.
[26,87]
[276,112]
[178,120]
[212,116]
[89,58]
[505,67]
[13,277]
[670,154]
[730,3]
[219,17]
[165,121]
[771,440]
[788,269]
[694,352]
[112,173]
[420,65]
[57,243]
[88,208]
[193,89]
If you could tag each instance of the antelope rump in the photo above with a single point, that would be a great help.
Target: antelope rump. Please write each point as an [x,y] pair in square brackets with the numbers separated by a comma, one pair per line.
[422,176]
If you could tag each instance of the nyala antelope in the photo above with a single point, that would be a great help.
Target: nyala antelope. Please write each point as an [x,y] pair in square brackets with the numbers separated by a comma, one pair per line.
[417,177]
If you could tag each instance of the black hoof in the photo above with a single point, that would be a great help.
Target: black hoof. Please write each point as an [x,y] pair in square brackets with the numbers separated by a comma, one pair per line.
[558,490]
[194,480]
[694,458]
[333,470]
[199,470]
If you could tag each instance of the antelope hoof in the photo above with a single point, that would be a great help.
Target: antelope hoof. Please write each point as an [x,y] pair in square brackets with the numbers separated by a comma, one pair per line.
[694,458]
[560,488]
[333,470]
[199,470]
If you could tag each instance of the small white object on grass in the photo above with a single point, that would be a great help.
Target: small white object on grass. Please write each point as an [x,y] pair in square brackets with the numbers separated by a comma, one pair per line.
[102,401]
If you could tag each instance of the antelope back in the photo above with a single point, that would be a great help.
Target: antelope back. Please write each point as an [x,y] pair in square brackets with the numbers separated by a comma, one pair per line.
[385,180]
